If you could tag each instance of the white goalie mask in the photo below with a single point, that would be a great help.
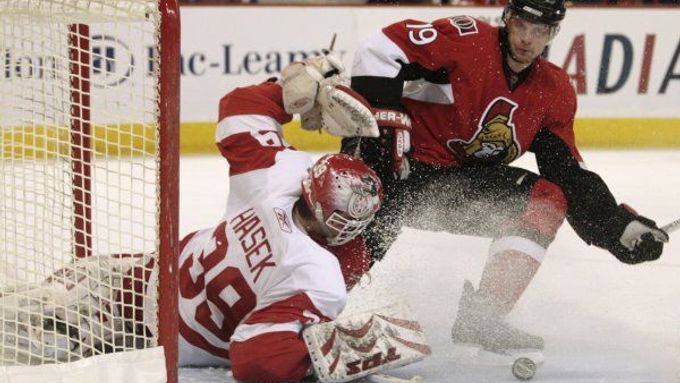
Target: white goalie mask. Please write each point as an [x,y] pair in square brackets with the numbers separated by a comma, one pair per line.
[343,194]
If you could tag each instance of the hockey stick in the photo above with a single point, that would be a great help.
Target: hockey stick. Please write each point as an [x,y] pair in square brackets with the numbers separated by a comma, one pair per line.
[648,237]
[327,52]
[671,227]
[332,45]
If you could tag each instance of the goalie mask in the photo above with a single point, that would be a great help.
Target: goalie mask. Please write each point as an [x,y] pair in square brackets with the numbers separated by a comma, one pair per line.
[343,194]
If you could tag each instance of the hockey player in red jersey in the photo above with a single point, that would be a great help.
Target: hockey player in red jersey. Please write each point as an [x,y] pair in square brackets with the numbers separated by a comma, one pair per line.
[466,100]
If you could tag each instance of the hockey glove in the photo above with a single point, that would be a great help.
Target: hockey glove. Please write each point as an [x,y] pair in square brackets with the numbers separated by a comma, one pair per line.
[387,153]
[395,136]
[640,241]
[300,81]
[316,89]
[343,112]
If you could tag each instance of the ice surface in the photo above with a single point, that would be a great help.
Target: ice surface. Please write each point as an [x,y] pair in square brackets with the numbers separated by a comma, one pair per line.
[602,321]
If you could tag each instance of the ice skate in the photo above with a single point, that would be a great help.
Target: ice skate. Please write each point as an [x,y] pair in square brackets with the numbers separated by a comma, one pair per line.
[479,323]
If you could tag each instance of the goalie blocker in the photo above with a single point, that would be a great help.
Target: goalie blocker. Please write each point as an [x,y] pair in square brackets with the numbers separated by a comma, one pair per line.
[363,344]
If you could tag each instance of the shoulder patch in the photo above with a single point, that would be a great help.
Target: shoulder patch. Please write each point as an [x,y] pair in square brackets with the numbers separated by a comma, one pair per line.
[466,25]
[282,219]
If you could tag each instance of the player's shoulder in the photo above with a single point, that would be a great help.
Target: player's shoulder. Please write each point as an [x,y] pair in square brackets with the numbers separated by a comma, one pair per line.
[422,33]
[268,219]
[285,177]
[273,188]
[278,216]
[553,75]
[555,82]
[467,27]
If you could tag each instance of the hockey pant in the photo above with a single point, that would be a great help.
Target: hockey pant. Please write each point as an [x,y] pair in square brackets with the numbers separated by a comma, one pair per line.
[495,201]
[269,358]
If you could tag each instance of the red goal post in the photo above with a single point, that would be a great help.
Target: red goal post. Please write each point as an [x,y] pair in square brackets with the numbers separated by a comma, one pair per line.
[89,163]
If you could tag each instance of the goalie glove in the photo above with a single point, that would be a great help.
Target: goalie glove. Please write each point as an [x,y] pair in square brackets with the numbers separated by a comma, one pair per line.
[341,111]
[315,89]
[363,344]
[300,81]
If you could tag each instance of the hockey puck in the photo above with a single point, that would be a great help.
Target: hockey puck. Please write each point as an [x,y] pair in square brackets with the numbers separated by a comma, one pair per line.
[524,368]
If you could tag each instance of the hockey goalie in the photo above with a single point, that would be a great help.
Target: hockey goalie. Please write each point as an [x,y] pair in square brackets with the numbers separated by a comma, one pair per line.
[261,291]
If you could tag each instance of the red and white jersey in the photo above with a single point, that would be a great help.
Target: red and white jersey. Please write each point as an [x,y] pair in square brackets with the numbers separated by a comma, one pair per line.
[255,272]
[468,113]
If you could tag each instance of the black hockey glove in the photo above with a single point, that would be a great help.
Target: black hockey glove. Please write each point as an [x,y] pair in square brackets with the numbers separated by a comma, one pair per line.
[641,241]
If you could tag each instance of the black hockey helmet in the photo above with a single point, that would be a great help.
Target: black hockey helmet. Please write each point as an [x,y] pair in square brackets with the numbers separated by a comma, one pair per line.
[549,12]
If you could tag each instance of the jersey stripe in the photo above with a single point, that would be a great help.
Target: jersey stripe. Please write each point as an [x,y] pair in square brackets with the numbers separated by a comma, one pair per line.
[378,56]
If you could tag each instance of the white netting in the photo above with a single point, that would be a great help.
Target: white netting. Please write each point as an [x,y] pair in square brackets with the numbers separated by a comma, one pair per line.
[79,11]
[77,185]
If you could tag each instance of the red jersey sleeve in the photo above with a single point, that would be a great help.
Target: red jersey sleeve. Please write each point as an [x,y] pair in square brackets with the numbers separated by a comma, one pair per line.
[265,99]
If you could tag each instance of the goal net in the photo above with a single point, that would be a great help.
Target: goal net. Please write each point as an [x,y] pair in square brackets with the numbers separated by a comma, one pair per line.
[88,189]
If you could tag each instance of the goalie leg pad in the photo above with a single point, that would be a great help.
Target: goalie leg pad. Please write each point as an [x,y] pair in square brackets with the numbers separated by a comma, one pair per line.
[364,344]
[72,313]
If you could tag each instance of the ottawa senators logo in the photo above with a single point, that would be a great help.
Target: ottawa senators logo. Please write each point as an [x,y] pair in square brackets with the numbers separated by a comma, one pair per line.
[495,138]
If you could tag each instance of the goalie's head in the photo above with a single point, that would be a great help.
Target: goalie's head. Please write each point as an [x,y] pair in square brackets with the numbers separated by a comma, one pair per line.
[343,194]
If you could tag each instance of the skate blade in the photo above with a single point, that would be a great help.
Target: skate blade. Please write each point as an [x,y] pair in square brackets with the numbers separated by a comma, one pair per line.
[475,355]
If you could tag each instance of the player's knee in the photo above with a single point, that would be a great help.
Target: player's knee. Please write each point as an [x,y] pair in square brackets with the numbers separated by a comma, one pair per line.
[546,210]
